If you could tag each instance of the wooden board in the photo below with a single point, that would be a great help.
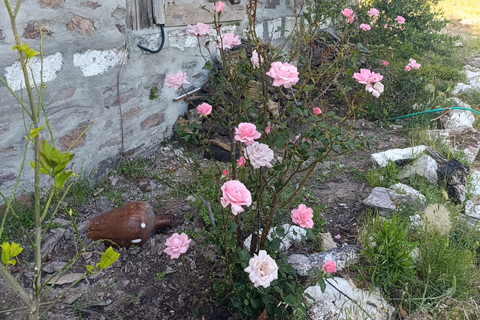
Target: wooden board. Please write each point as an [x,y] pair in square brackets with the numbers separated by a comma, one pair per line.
[181,14]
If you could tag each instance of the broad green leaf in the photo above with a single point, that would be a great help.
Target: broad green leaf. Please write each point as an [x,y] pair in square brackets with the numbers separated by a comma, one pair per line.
[208,65]
[29,53]
[34,132]
[290,299]
[89,268]
[308,88]
[108,257]
[61,178]
[10,251]
[47,148]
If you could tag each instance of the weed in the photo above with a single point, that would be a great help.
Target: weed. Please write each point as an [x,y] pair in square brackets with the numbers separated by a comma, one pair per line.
[133,298]
[134,169]
[383,177]
[153,93]
[159,276]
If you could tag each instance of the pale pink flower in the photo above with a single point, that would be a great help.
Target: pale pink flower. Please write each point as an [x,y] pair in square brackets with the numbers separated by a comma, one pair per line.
[303,216]
[247,133]
[267,130]
[408,68]
[241,162]
[219,6]
[413,63]
[176,80]
[338,236]
[235,194]
[317,111]
[385,26]
[176,245]
[283,74]
[366,77]
[227,41]
[204,109]
[198,30]
[262,269]
[347,12]
[329,267]
[259,155]
[225,173]
[376,90]
[384,62]
[256,59]
[373,12]
[400,20]
[365,27]
[296,138]
[350,19]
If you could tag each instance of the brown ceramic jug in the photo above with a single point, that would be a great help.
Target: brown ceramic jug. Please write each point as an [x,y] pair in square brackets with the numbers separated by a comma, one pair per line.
[131,224]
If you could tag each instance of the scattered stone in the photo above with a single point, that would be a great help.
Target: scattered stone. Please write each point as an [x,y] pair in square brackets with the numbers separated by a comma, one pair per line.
[386,201]
[191,198]
[68,278]
[51,239]
[381,158]
[327,241]
[81,25]
[344,256]
[293,234]
[472,208]
[69,299]
[63,222]
[457,118]
[54,266]
[458,44]
[425,166]
[465,139]
[332,304]
[273,108]
[454,175]
[403,188]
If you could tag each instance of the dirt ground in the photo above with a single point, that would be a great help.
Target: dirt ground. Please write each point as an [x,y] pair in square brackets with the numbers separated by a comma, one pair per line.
[134,288]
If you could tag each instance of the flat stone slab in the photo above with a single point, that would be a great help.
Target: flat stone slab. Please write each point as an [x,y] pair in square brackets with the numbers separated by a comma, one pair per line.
[333,305]
[381,158]
[425,166]
[387,201]
[344,256]
[464,139]
[403,188]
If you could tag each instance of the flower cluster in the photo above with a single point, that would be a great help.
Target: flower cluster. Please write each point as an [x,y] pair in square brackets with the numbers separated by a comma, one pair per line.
[256,59]
[368,77]
[412,65]
[349,14]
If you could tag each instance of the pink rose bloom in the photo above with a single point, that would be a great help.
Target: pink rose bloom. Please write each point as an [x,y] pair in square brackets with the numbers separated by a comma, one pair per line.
[376,90]
[259,155]
[225,173]
[384,62]
[413,63]
[347,12]
[247,133]
[400,20]
[303,216]
[235,194]
[350,19]
[338,236]
[256,59]
[365,27]
[267,130]
[204,109]
[408,68]
[329,267]
[317,111]
[296,138]
[283,74]
[373,12]
[241,162]
[219,6]
[176,80]
[262,269]
[385,26]
[198,30]
[176,245]
[227,41]
[366,77]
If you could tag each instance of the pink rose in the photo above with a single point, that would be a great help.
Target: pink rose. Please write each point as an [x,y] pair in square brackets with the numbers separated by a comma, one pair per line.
[247,133]
[267,130]
[296,138]
[235,194]
[317,111]
[350,19]
[204,109]
[338,236]
[384,62]
[413,63]
[329,267]
[385,26]
[368,77]
[373,12]
[225,173]
[365,27]
[176,245]
[259,155]
[303,216]
[400,20]
[176,80]
[198,30]
[219,6]
[256,59]
[227,41]
[241,162]
[283,74]
[408,68]
[262,269]
[347,12]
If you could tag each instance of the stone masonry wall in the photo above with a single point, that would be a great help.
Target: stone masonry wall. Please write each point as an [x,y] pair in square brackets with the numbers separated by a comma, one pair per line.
[86,46]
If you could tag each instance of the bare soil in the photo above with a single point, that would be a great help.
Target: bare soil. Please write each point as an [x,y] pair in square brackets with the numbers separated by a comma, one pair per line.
[132,287]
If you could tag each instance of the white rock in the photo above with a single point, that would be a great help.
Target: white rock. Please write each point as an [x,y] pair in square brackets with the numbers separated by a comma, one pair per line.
[473,185]
[403,188]
[95,62]
[459,118]
[293,234]
[416,221]
[461,87]
[425,166]
[458,44]
[382,158]
[472,209]
[331,304]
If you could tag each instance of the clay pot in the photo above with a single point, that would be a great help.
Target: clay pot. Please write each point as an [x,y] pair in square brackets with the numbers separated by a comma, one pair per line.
[131,224]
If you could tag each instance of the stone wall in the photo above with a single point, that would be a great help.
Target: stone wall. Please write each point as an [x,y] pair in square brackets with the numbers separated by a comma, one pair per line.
[86,49]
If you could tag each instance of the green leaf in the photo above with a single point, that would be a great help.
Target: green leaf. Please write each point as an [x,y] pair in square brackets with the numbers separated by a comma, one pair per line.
[89,268]
[208,65]
[232,227]
[47,148]
[34,132]
[108,257]
[60,179]
[290,299]
[10,251]
[29,53]
[308,88]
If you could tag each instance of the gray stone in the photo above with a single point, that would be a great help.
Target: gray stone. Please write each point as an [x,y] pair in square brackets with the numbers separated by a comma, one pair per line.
[51,239]
[403,188]
[457,118]
[327,241]
[425,166]
[472,208]
[386,201]
[344,256]
[473,186]
[381,158]
[333,305]
[54,266]
[461,87]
